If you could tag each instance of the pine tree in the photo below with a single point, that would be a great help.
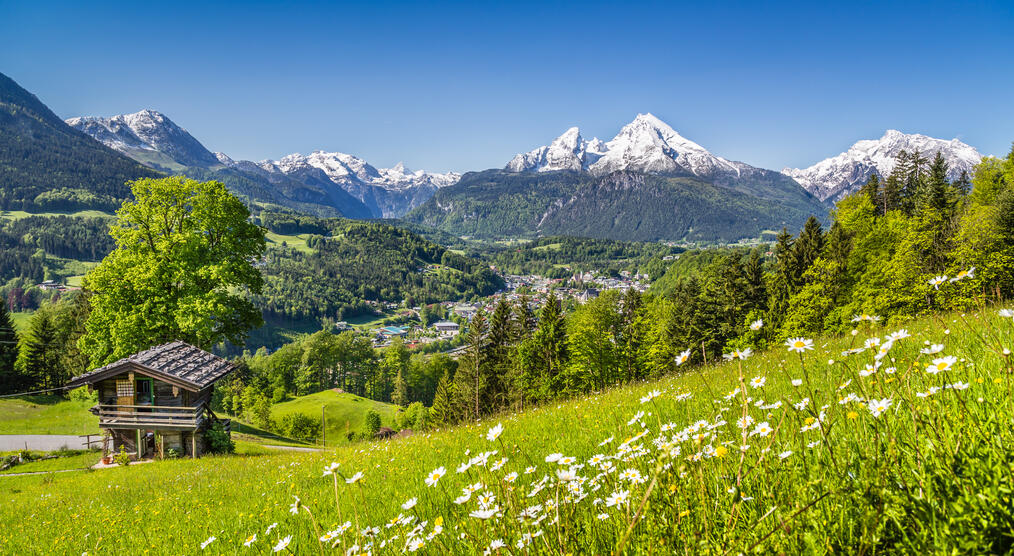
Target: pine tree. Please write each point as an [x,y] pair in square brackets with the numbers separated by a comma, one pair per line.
[442,411]
[550,347]
[963,185]
[935,193]
[783,283]
[890,195]
[523,319]
[11,381]
[808,247]
[755,292]
[469,381]
[399,395]
[499,345]
[871,189]
[39,359]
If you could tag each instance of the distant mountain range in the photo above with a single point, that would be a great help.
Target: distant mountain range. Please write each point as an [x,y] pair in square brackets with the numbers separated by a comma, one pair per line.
[572,185]
[343,182]
[834,178]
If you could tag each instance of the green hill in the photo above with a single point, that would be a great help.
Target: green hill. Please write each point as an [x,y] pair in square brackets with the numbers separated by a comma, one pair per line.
[45,164]
[823,468]
[623,206]
[343,412]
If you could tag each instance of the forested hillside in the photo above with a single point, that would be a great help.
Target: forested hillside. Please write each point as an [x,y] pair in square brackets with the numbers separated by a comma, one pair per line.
[561,256]
[624,206]
[47,165]
[348,264]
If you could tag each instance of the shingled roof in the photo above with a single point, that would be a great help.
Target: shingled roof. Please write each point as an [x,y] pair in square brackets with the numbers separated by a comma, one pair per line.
[176,362]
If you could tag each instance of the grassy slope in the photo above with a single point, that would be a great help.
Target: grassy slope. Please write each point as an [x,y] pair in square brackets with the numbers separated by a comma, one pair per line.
[76,459]
[827,501]
[342,410]
[47,415]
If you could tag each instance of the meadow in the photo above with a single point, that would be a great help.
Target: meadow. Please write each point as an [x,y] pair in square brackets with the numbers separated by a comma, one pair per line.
[891,439]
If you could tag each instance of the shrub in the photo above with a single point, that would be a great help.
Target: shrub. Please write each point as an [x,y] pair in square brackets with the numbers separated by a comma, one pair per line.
[300,426]
[122,457]
[371,423]
[219,441]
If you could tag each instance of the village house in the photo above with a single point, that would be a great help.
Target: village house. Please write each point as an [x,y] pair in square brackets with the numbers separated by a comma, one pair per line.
[157,400]
[446,327]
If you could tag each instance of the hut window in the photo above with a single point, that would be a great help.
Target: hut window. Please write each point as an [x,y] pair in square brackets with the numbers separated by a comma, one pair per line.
[124,388]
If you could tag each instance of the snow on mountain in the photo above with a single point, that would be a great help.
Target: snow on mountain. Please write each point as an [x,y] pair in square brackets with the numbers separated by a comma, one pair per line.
[567,152]
[647,144]
[836,177]
[149,136]
[153,139]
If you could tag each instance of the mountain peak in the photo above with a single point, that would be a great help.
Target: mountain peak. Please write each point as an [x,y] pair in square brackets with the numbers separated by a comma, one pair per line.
[838,176]
[148,131]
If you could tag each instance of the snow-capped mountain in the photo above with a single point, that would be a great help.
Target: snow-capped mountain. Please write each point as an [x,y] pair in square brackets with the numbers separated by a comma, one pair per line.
[647,145]
[156,141]
[149,137]
[836,177]
[387,192]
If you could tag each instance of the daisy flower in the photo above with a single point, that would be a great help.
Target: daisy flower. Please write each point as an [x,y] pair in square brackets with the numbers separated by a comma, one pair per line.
[682,358]
[409,504]
[485,514]
[434,476]
[932,350]
[879,406]
[941,364]
[757,324]
[936,281]
[617,498]
[250,540]
[970,273]
[207,542]
[282,544]
[355,478]
[799,345]
[762,429]
[758,381]
[494,432]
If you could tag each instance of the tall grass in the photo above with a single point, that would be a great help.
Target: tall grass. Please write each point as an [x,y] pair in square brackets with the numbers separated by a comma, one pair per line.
[901,459]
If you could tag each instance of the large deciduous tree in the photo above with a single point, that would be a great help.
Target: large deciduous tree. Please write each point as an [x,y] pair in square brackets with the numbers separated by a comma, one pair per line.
[182,270]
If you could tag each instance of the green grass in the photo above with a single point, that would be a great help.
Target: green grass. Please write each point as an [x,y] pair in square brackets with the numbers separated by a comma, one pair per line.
[930,474]
[21,320]
[47,415]
[19,214]
[297,242]
[72,459]
[344,412]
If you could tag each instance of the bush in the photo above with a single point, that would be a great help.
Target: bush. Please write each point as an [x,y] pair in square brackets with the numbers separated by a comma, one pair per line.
[83,395]
[122,458]
[219,441]
[300,426]
[371,423]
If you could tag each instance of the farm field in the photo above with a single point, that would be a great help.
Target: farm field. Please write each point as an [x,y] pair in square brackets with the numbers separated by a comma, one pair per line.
[898,444]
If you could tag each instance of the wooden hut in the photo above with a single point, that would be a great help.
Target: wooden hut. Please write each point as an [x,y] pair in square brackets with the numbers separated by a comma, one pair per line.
[157,400]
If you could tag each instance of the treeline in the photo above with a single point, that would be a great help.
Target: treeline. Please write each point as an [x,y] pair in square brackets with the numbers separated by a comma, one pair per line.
[326,360]
[353,263]
[46,356]
[548,257]
[25,243]
[890,249]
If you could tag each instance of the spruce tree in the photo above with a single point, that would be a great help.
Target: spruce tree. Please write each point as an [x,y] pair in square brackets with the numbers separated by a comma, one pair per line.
[524,319]
[755,292]
[935,193]
[808,247]
[442,411]
[399,395]
[39,359]
[871,189]
[499,345]
[550,347]
[11,380]
[470,380]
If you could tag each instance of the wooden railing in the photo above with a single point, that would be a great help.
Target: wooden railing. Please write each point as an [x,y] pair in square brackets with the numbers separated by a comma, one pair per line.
[111,416]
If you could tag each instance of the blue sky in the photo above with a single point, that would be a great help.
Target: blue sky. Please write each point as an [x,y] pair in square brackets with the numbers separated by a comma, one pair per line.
[461,86]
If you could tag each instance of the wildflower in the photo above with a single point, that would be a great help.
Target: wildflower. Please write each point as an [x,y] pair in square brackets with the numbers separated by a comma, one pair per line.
[797,382]
[871,343]
[899,335]
[566,460]
[282,544]
[617,498]
[633,420]
[511,477]
[879,406]
[330,469]
[1006,313]
[529,470]
[355,478]
[434,476]
[494,432]
[852,415]
[294,507]
[932,350]
[207,542]
[682,358]
[757,324]
[738,354]
[650,396]
[785,454]
[250,540]
[409,504]
[485,514]
[869,370]
[602,517]
[941,364]
[799,345]
[270,527]
[959,386]
[758,381]
[486,499]
[970,273]
[494,545]
[415,544]
[632,475]
[551,458]
[801,404]
[744,422]
[763,429]
[721,451]
[936,281]
[606,441]
[813,444]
